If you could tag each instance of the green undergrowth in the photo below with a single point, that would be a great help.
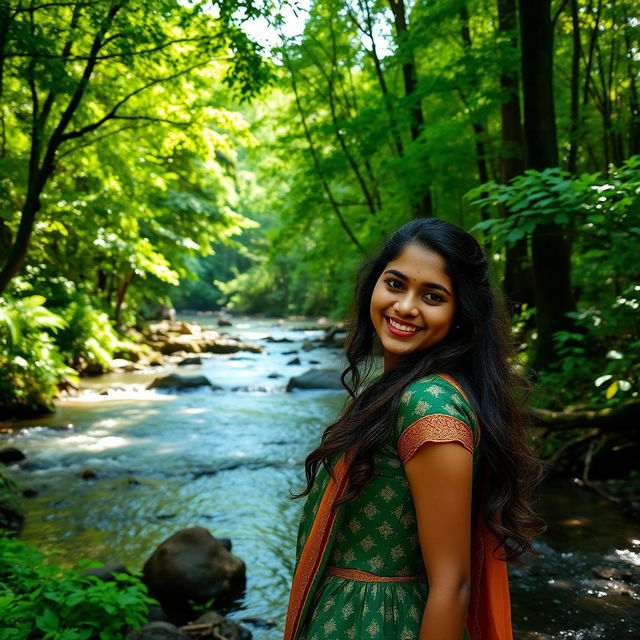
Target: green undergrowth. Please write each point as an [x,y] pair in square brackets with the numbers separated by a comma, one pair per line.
[41,600]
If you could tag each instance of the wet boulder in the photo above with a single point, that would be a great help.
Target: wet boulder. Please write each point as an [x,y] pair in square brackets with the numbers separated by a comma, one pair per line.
[192,567]
[179,382]
[316,379]
[334,337]
[185,343]
[190,360]
[229,345]
[186,329]
[121,364]
[11,514]
[11,455]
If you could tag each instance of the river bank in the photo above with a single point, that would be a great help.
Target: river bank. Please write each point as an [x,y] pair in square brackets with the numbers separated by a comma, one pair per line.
[226,460]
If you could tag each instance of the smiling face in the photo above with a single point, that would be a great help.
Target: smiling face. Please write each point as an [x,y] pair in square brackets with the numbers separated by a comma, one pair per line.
[413,303]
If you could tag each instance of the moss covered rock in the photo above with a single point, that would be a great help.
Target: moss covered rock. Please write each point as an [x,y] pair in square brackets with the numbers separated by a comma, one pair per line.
[11,513]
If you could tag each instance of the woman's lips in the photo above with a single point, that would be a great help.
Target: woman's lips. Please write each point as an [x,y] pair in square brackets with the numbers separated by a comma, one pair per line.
[400,328]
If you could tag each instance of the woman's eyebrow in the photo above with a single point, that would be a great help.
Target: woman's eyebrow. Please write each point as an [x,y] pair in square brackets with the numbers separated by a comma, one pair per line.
[427,285]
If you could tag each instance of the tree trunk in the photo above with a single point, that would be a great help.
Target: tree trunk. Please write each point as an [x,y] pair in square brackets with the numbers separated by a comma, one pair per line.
[574,125]
[416,121]
[550,248]
[122,292]
[518,277]
[634,103]
[479,131]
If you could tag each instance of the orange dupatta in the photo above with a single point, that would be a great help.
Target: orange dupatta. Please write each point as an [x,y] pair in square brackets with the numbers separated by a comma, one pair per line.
[314,553]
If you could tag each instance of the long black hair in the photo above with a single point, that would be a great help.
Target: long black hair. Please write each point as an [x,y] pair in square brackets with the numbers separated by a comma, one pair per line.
[476,352]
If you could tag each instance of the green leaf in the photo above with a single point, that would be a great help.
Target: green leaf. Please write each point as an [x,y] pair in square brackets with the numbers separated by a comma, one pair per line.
[48,621]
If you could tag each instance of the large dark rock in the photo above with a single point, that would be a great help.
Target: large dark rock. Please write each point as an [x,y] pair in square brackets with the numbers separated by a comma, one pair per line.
[193,567]
[190,360]
[179,382]
[334,337]
[316,379]
[11,455]
[228,345]
[158,631]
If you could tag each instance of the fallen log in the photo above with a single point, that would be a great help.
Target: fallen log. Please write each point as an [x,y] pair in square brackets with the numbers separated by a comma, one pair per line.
[624,417]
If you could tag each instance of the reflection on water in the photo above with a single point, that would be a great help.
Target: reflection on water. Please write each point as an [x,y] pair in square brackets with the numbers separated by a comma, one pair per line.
[226,460]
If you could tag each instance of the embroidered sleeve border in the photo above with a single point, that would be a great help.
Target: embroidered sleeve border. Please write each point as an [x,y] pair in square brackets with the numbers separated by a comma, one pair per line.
[433,428]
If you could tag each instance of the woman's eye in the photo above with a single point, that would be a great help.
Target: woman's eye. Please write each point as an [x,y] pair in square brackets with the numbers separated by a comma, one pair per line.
[432,296]
[394,283]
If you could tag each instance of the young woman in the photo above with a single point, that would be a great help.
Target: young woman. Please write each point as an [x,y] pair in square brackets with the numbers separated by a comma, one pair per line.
[420,491]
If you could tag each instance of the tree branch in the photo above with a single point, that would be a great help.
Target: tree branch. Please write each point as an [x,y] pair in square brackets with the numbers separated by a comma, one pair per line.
[557,14]
[113,113]
[56,4]
[95,139]
[107,56]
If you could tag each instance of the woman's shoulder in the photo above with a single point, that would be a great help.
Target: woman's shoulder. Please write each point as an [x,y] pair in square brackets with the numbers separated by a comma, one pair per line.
[437,391]
[436,407]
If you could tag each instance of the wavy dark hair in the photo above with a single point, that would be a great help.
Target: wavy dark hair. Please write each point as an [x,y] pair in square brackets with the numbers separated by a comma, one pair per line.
[477,353]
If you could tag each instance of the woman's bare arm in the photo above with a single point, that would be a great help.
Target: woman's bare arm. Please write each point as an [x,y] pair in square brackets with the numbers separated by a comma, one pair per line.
[440,477]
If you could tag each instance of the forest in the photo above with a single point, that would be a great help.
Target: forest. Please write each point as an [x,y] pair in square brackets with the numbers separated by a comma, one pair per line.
[248,156]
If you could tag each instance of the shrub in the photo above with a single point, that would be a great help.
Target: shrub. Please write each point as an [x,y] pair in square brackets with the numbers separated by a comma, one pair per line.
[40,600]
[31,365]
[88,338]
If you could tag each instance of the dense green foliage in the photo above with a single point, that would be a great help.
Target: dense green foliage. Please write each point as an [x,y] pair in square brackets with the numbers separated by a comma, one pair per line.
[40,600]
[119,131]
[601,354]
[153,152]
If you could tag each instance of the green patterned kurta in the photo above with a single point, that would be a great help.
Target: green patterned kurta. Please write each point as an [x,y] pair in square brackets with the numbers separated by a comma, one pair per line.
[377,533]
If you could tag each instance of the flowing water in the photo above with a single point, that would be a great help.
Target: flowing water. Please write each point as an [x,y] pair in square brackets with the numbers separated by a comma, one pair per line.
[227,459]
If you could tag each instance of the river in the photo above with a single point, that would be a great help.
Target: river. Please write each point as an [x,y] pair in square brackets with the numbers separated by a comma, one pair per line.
[226,460]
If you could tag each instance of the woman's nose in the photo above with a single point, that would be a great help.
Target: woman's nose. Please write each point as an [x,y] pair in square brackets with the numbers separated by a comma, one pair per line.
[406,306]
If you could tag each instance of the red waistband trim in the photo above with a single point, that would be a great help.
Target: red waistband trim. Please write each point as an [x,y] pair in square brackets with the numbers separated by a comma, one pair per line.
[365,576]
